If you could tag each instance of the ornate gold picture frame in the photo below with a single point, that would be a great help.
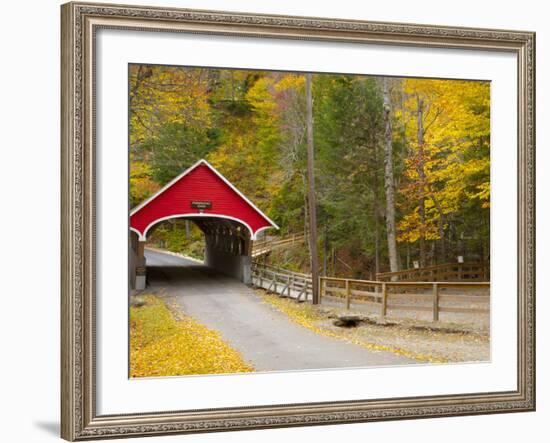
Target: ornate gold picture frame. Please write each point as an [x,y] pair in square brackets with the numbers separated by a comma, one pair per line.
[80,23]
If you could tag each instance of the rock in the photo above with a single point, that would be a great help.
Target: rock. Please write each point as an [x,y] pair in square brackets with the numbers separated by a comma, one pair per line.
[326,311]
[138,303]
[347,320]
[384,322]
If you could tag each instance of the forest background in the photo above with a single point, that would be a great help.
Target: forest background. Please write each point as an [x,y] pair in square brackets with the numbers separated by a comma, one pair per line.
[402,165]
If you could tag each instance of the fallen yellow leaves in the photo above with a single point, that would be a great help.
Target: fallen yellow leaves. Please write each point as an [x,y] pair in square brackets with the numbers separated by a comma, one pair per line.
[309,317]
[162,346]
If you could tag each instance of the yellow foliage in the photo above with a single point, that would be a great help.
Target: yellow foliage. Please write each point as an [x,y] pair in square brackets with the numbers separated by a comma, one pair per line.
[291,81]
[141,184]
[454,156]
[260,96]
[160,95]
[163,346]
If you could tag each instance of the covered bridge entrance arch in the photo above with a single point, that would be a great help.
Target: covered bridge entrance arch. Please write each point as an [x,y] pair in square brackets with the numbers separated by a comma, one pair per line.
[229,221]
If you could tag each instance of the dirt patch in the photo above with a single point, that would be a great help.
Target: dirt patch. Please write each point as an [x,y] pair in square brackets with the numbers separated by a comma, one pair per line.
[439,342]
[460,321]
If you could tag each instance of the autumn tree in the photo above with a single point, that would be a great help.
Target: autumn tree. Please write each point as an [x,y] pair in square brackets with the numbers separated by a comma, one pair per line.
[447,174]
[402,165]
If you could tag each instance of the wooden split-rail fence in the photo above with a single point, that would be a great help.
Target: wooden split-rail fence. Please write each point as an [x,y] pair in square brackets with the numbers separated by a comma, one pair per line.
[260,248]
[382,297]
[448,272]
[460,288]
[432,297]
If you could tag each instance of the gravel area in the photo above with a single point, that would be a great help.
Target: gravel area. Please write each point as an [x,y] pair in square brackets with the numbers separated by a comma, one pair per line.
[442,342]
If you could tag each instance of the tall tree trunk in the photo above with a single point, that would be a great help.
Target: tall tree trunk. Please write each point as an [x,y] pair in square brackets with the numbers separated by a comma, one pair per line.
[306,212]
[326,249]
[389,182]
[422,177]
[376,236]
[440,225]
[376,210]
[442,248]
[311,195]
[441,228]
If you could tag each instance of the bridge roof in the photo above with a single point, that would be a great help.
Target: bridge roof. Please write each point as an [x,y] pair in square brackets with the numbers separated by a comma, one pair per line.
[199,192]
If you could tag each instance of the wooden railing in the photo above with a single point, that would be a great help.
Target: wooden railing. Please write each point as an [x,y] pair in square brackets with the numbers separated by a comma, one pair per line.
[281,281]
[448,272]
[264,247]
[434,297]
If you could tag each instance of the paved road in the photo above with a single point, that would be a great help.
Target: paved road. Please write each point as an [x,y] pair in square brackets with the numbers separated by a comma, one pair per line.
[266,338]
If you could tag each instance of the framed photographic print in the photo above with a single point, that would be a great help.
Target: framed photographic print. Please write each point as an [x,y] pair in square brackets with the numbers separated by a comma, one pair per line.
[283,221]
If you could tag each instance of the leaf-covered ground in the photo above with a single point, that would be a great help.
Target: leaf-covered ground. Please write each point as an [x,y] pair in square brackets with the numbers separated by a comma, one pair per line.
[162,345]
[414,340]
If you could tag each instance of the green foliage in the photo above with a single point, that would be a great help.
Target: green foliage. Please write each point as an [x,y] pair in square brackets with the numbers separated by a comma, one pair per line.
[175,148]
[348,116]
[172,236]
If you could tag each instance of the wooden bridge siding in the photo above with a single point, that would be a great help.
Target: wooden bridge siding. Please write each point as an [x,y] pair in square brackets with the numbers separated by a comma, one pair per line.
[199,184]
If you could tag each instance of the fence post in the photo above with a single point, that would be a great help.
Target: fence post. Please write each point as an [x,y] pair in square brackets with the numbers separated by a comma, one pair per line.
[435,302]
[322,283]
[270,281]
[384,300]
[348,294]
[290,283]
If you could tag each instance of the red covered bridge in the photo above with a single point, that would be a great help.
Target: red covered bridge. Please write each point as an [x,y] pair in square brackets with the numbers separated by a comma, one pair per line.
[227,218]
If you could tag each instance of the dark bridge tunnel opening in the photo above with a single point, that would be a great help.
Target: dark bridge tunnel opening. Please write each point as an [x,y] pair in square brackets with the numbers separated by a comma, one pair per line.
[227,248]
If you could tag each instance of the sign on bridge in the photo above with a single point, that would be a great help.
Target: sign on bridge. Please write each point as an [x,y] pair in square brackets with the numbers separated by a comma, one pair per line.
[206,204]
